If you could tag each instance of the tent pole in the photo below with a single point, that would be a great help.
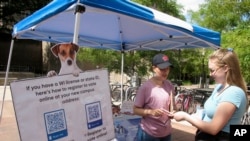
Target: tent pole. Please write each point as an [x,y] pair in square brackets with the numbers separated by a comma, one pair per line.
[6,77]
[122,57]
[76,30]
[79,9]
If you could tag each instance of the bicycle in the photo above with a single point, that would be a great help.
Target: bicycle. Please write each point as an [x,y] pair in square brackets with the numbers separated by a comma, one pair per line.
[200,97]
[115,91]
[131,93]
[127,93]
[184,100]
[245,120]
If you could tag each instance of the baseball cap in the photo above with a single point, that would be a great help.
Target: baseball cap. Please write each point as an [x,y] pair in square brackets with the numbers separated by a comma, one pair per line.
[161,61]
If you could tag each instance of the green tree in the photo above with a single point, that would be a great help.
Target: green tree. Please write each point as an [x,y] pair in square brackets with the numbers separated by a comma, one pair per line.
[239,39]
[222,15]
[232,19]
[134,61]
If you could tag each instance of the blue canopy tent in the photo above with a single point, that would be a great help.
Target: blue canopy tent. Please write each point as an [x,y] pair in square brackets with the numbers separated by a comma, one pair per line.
[119,25]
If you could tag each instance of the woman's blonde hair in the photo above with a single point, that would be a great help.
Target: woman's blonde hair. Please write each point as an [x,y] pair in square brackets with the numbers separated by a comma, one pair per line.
[228,57]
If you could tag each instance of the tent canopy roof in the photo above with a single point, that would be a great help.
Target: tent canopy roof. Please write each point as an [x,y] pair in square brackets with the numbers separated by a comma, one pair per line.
[118,25]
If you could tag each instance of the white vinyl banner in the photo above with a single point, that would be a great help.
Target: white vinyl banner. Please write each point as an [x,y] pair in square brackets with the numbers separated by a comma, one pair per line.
[64,108]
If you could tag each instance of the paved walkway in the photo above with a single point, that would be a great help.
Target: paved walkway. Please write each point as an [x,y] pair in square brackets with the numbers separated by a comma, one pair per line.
[8,125]
[183,132]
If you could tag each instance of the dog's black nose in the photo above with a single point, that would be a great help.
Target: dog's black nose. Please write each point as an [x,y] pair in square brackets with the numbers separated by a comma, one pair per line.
[69,62]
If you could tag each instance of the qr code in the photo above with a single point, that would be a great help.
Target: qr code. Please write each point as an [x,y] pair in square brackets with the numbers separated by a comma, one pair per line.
[55,121]
[94,115]
[94,112]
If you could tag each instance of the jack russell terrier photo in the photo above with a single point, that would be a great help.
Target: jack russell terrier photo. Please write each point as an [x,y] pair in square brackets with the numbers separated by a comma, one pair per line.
[66,52]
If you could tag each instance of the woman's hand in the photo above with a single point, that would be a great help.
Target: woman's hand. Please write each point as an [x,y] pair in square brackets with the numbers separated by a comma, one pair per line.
[179,116]
[168,113]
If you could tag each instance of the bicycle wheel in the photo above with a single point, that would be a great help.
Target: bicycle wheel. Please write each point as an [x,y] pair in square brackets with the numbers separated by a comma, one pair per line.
[132,97]
[116,96]
[131,93]
[191,106]
[179,98]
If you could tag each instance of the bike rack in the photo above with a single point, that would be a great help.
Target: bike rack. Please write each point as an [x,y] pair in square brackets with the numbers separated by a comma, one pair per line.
[127,90]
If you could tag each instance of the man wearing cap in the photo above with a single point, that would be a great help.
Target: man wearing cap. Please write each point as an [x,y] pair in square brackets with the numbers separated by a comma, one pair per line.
[153,103]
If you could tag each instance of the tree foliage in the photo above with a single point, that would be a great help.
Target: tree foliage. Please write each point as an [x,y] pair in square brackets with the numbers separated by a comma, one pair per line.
[232,19]
[239,40]
[223,15]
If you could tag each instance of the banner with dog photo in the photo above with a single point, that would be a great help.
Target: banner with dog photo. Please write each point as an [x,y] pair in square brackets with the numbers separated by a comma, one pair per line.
[64,107]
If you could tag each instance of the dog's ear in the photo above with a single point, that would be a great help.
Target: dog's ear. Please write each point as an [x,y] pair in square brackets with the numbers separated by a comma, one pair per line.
[75,46]
[55,49]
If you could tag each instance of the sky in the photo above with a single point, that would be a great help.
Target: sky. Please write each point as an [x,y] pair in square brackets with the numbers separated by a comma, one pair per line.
[190,4]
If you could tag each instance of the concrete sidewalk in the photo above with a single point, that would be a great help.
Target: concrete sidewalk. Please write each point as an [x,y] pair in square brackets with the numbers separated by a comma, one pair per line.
[183,132]
[8,124]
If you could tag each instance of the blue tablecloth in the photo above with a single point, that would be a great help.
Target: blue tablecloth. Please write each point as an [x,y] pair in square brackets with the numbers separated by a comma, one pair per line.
[126,127]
